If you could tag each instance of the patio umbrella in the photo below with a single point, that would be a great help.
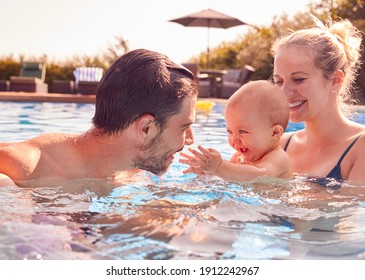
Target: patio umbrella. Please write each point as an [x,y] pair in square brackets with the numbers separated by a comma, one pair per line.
[208,18]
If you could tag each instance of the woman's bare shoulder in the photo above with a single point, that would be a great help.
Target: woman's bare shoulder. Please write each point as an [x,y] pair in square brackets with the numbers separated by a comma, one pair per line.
[359,145]
[285,137]
[356,160]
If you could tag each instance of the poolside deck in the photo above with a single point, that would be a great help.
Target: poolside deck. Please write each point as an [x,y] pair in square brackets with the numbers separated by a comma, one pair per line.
[46,97]
[60,97]
[76,98]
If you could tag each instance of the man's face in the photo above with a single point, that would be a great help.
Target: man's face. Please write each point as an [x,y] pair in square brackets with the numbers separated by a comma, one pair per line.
[159,153]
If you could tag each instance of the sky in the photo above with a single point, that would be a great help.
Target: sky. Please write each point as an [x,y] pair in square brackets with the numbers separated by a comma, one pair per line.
[62,29]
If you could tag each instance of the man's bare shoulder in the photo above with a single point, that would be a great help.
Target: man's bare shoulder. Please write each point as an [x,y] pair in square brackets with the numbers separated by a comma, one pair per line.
[12,153]
[19,159]
[38,142]
[16,159]
[6,181]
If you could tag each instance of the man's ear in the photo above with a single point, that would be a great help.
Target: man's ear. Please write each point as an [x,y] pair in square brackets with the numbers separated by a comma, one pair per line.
[277,131]
[146,128]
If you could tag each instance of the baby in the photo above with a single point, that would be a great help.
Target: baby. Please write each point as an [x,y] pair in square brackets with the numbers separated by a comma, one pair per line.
[256,117]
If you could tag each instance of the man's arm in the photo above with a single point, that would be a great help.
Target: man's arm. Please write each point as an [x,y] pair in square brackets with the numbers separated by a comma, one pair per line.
[6,181]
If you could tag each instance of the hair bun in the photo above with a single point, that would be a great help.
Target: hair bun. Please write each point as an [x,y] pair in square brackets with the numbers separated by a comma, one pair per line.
[349,37]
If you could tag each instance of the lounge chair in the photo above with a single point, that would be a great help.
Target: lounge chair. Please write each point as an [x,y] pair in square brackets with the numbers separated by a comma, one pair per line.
[193,67]
[234,79]
[211,85]
[204,90]
[87,79]
[4,85]
[31,78]
[63,86]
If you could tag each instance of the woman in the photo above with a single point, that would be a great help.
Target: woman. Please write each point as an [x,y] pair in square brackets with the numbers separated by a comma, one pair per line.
[316,68]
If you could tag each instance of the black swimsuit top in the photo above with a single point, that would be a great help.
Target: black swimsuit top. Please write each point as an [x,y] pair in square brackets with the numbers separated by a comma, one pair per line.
[335,173]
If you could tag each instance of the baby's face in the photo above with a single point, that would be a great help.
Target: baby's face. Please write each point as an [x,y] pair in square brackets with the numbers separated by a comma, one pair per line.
[248,132]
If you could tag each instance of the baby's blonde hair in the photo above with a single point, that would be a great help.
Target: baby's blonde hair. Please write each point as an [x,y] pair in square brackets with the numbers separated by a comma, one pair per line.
[336,46]
[265,99]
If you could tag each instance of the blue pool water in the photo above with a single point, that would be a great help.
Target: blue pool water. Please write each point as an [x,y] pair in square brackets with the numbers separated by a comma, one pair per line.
[176,216]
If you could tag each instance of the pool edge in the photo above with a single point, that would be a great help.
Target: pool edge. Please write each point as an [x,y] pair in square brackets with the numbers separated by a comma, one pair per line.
[46,97]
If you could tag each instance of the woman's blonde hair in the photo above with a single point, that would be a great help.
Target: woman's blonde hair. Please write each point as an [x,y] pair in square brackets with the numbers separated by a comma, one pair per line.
[336,46]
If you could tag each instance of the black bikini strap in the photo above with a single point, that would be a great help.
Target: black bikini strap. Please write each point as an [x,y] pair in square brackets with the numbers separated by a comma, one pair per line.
[288,141]
[347,150]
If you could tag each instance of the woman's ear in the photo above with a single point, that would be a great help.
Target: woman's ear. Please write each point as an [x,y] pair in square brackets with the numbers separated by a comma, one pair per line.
[338,78]
[146,128]
[277,131]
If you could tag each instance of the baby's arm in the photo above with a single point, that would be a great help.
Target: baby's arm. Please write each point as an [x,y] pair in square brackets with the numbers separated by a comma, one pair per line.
[237,158]
[275,164]
[204,160]
[210,161]
[239,172]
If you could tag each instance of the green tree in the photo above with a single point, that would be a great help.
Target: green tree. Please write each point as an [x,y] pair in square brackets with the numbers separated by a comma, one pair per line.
[253,48]
[9,66]
[353,10]
[116,49]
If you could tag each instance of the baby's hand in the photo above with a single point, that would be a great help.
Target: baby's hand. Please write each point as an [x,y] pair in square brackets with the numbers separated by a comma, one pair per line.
[240,160]
[192,162]
[204,160]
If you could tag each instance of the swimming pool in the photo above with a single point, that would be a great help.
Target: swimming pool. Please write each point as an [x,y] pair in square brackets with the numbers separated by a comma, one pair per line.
[176,216]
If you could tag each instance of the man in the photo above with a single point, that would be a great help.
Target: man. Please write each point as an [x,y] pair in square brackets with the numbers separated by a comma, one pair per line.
[145,105]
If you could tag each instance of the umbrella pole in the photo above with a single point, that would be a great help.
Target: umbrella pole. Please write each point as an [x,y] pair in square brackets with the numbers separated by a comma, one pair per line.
[207,64]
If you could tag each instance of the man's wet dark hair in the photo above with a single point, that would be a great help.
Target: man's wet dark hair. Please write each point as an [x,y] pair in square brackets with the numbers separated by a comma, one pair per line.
[141,82]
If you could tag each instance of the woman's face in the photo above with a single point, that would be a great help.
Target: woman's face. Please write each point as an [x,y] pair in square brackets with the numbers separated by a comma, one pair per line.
[307,90]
